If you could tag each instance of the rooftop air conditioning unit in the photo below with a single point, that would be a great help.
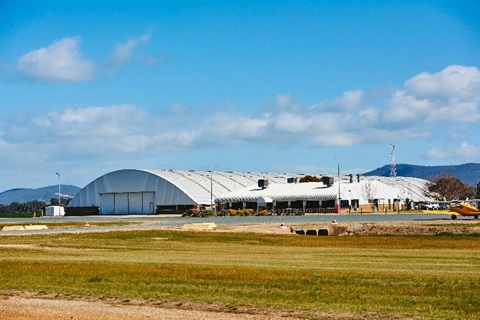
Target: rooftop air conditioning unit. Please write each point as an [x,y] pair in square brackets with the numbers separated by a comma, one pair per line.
[328,181]
[291,180]
[263,183]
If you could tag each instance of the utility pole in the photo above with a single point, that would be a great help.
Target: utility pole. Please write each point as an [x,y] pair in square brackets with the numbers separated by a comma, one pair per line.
[338,178]
[59,193]
[211,188]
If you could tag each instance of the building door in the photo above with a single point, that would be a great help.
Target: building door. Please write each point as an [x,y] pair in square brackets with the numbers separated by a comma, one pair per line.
[148,202]
[135,202]
[107,203]
[121,203]
[127,203]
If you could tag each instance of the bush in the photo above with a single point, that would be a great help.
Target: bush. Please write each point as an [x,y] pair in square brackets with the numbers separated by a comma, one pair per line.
[263,213]
[249,212]
[207,213]
[188,213]
[241,213]
[232,212]
[223,213]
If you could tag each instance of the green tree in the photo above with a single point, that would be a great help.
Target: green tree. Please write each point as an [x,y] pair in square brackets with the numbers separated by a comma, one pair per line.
[17,207]
[477,191]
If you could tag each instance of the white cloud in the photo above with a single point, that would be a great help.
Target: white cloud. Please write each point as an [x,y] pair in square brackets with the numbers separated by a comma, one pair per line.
[222,129]
[350,99]
[61,61]
[339,139]
[129,132]
[407,108]
[452,94]
[123,52]
[464,151]
[368,116]
[283,100]
[452,82]
[287,122]
[285,103]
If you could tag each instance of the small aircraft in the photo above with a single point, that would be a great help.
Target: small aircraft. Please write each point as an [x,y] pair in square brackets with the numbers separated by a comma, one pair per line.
[465,208]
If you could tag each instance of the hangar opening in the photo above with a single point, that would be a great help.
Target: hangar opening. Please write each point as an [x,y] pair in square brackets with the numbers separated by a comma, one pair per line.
[127,203]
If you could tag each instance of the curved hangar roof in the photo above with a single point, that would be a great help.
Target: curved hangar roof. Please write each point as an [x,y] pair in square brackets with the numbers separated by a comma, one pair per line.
[139,191]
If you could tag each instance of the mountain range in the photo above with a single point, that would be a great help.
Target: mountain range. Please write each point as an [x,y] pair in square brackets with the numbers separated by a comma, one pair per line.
[468,173]
[23,195]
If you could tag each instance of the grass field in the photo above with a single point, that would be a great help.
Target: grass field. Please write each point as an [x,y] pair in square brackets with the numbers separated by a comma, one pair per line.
[65,225]
[431,277]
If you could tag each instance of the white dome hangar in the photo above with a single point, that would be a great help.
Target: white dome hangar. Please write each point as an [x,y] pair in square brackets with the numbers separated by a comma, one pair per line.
[132,191]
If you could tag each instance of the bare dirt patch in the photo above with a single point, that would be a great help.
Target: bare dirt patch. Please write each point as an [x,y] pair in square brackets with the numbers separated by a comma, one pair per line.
[17,305]
[366,229]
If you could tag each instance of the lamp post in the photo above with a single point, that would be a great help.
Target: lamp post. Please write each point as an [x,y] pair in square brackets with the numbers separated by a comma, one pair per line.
[338,177]
[211,188]
[58,174]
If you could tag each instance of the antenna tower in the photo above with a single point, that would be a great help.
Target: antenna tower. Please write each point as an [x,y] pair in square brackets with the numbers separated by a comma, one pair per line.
[393,166]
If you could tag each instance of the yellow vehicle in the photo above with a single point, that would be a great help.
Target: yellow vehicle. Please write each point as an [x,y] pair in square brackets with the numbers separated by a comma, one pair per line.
[464,209]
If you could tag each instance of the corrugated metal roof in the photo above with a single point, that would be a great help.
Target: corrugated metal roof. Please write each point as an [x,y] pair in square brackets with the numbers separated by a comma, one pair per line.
[281,192]
[197,183]
[186,187]
[368,188]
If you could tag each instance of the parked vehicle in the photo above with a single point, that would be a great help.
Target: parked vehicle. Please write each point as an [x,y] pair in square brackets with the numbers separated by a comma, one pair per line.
[431,206]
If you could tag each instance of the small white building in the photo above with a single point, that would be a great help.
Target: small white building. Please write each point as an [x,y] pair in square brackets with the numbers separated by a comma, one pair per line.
[54,211]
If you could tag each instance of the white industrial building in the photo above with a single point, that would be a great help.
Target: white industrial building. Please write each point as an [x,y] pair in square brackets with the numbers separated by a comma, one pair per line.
[133,191]
[357,194]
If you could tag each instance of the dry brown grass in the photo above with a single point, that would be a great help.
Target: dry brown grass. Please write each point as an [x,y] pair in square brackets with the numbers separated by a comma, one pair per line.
[382,276]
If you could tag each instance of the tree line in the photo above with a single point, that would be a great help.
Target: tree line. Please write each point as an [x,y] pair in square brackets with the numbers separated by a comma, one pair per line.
[30,206]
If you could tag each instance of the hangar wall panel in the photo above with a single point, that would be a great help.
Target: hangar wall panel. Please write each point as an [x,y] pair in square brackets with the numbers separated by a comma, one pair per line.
[107,203]
[135,202]
[149,202]
[121,203]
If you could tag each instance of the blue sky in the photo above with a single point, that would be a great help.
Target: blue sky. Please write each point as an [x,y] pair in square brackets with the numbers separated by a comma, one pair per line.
[87,87]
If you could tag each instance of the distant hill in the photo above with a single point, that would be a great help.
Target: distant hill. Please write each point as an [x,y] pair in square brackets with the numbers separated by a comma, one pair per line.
[468,173]
[42,194]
